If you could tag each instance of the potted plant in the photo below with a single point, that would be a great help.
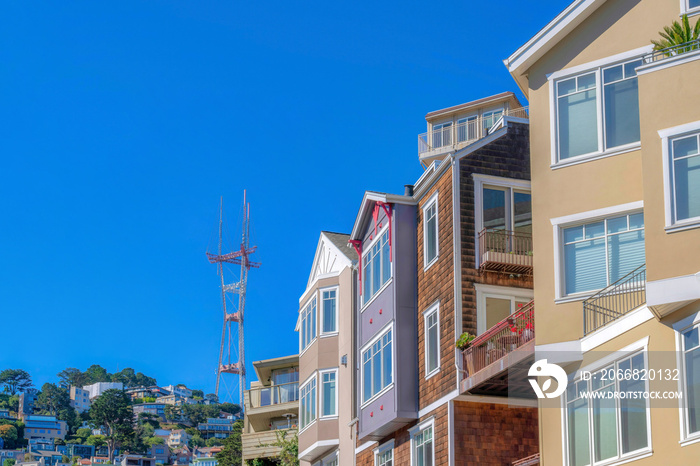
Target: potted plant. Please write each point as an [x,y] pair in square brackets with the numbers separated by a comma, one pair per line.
[463,342]
[678,34]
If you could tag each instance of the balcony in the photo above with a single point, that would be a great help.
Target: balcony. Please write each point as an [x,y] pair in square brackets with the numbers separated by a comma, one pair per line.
[613,302]
[261,444]
[264,403]
[497,361]
[505,251]
[456,136]
[670,52]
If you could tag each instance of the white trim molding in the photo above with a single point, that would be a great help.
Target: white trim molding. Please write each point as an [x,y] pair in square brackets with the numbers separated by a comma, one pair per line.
[433,200]
[434,309]
[616,328]
[500,292]
[673,290]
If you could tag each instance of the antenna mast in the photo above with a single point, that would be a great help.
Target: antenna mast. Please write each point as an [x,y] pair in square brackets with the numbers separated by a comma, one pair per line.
[241,258]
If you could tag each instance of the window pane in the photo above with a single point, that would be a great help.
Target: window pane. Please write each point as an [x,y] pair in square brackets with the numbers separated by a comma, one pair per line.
[595,230]
[497,309]
[579,450]
[690,339]
[636,221]
[625,253]
[585,266]
[329,394]
[313,320]
[386,362]
[692,369]
[367,376]
[604,427]
[687,187]
[494,209]
[685,146]
[578,124]
[617,224]
[329,311]
[693,3]
[433,344]
[376,369]
[431,233]
[612,74]
[633,415]
[366,281]
[621,113]
[522,211]
[631,68]
[586,81]
[566,87]
[386,263]
[573,234]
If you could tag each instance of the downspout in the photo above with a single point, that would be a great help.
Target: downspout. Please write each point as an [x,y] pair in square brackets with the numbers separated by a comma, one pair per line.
[457,250]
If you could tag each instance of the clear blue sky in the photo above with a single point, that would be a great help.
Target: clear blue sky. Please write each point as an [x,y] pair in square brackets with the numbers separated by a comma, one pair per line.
[123,122]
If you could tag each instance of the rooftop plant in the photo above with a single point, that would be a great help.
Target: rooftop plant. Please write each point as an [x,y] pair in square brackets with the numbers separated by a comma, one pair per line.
[676,35]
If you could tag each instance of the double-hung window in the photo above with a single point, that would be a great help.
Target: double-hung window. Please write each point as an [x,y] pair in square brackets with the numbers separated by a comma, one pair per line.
[602,427]
[422,445]
[599,253]
[597,111]
[377,372]
[684,168]
[329,301]
[442,135]
[377,266]
[329,393]
[691,372]
[430,231]
[307,405]
[431,320]
[308,324]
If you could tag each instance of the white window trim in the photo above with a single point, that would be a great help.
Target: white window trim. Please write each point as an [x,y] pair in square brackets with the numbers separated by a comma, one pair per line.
[382,332]
[490,291]
[327,458]
[673,225]
[428,423]
[322,313]
[435,308]
[433,200]
[479,182]
[308,380]
[553,117]
[679,327]
[301,320]
[365,252]
[641,345]
[383,448]
[558,226]
[686,10]
[320,398]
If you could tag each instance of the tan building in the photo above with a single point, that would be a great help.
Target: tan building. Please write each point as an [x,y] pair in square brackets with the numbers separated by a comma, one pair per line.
[616,210]
[326,349]
[79,398]
[271,406]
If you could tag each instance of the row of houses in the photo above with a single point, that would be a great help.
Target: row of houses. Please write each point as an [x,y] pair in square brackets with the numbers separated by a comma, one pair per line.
[563,232]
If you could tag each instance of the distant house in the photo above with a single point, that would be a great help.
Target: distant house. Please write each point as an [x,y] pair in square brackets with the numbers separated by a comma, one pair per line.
[137,460]
[26,402]
[44,427]
[182,455]
[99,388]
[161,453]
[17,455]
[5,414]
[83,451]
[178,438]
[216,427]
[179,390]
[153,391]
[157,409]
[79,398]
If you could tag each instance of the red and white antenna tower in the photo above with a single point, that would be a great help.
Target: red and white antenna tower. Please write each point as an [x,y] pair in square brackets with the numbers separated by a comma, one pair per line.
[240,257]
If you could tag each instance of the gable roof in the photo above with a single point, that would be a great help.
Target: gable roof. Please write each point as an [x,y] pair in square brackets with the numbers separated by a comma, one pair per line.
[333,254]
[550,35]
[474,103]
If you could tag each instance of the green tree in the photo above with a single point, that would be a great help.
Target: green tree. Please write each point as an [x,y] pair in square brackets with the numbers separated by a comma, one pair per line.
[83,432]
[97,373]
[211,397]
[196,441]
[15,380]
[9,435]
[28,457]
[289,453]
[231,453]
[230,408]
[73,376]
[113,411]
[96,440]
[677,34]
[153,441]
[198,393]
[52,399]
[65,459]
[9,462]
[213,442]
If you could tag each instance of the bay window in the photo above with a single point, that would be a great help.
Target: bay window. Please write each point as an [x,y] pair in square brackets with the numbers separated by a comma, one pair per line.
[329,393]
[307,333]
[599,253]
[307,404]
[377,372]
[685,177]
[329,317]
[597,111]
[599,428]
[376,266]
[691,368]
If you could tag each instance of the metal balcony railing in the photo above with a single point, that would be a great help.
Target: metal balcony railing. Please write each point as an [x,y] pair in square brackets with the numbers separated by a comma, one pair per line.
[463,133]
[505,337]
[505,251]
[673,51]
[274,394]
[613,302]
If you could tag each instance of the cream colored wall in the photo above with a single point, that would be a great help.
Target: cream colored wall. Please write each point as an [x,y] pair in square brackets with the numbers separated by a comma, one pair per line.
[346,380]
[667,98]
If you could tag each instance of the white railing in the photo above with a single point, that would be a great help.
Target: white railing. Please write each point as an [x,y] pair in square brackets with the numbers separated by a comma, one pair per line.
[466,132]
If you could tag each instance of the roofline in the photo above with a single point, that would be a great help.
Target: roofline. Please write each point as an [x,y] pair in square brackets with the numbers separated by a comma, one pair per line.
[548,36]
[373,196]
[473,103]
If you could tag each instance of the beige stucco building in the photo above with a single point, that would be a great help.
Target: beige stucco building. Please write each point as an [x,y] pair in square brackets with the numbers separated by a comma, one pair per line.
[616,215]
[326,347]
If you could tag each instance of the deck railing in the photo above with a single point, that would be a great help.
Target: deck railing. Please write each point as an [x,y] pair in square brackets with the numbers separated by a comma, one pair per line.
[505,337]
[616,300]
[672,51]
[274,394]
[463,133]
[505,249]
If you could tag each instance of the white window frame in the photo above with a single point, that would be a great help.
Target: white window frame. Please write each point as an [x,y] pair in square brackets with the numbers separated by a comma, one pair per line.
[687,10]
[667,136]
[382,449]
[329,459]
[427,424]
[680,327]
[308,381]
[465,120]
[363,350]
[434,309]
[306,305]
[559,224]
[432,201]
[587,68]
[441,127]
[322,314]
[366,250]
[486,181]
[640,346]
[489,112]
[500,292]
[321,400]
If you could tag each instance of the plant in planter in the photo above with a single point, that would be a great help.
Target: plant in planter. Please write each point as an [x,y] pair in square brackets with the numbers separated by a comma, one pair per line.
[464,340]
[678,34]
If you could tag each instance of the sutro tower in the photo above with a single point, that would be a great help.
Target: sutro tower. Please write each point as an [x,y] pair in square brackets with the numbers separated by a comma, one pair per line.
[240,257]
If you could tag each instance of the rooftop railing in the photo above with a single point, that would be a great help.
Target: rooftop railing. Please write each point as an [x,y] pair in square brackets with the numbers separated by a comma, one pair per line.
[672,51]
[505,250]
[466,132]
[613,302]
[274,394]
[505,337]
